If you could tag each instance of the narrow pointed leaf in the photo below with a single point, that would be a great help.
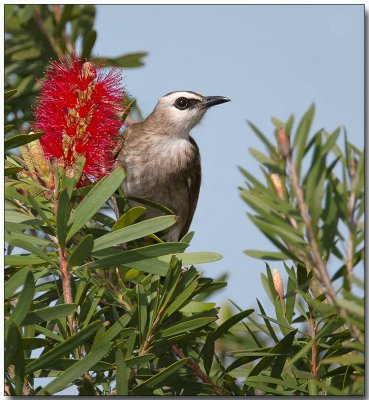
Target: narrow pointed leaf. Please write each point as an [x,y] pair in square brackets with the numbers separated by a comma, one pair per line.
[62,218]
[122,374]
[194,258]
[20,140]
[301,136]
[132,232]
[82,251]
[24,301]
[15,282]
[64,348]
[94,200]
[158,379]
[129,217]
[76,371]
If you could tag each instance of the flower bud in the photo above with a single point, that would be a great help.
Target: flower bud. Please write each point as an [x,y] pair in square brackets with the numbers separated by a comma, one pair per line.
[88,70]
[352,166]
[37,161]
[284,143]
[278,186]
[278,283]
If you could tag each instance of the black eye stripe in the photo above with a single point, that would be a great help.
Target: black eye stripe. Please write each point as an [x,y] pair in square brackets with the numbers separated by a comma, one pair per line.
[184,103]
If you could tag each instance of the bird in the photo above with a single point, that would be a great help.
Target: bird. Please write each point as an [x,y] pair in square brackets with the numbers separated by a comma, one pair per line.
[162,160]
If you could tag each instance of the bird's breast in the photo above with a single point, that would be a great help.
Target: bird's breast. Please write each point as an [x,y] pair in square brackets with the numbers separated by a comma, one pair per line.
[155,165]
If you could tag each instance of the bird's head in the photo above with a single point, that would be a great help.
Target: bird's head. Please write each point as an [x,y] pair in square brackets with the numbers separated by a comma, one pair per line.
[180,111]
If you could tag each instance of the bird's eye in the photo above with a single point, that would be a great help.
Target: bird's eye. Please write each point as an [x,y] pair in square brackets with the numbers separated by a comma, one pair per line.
[181,103]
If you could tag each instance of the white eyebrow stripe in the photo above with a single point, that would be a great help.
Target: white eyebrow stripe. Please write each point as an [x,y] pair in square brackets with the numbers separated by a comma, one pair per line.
[189,95]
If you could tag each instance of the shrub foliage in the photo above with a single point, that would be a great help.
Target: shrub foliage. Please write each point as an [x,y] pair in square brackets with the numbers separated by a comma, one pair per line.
[138,320]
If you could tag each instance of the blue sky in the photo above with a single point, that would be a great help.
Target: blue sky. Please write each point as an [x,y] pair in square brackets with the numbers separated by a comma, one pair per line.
[270,61]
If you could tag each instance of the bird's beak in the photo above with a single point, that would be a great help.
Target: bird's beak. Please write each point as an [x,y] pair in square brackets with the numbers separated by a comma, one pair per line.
[211,101]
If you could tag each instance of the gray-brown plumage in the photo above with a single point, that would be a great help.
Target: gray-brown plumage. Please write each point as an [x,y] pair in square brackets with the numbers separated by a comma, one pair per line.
[162,160]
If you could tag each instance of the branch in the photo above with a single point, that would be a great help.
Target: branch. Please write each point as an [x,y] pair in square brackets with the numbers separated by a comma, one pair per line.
[320,269]
[192,364]
[314,369]
[43,30]
[351,219]
[65,273]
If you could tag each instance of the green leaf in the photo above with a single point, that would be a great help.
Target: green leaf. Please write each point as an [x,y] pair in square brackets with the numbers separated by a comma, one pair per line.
[15,281]
[122,374]
[20,140]
[151,266]
[8,128]
[158,379]
[97,196]
[300,353]
[69,183]
[88,43]
[64,348]
[262,137]
[37,206]
[290,299]
[229,323]
[129,217]
[188,237]
[301,136]
[142,306]
[151,203]
[19,218]
[62,218]
[346,359]
[139,360]
[24,301]
[132,60]
[24,245]
[49,313]
[186,325]
[23,260]
[136,231]
[351,307]
[93,306]
[12,170]
[267,323]
[208,349]
[197,306]
[12,342]
[180,300]
[194,258]
[14,354]
[82,251]
[133,258]
[129,104]
[283,346]
[277,123]
[288,234]
[9,93]
[77,370]
[118,326]
[267,255]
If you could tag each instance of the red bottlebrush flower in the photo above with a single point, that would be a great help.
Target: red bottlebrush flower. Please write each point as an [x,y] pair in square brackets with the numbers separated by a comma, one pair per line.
[79,111]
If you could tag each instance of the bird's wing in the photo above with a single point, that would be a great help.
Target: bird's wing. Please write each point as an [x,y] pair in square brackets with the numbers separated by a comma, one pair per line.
[120,161]
[193,182]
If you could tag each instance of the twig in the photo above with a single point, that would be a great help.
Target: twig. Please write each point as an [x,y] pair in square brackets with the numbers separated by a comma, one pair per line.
[192,364]
[314,348]
[351,224]
[65,273]
[43,30]
[57,10]
[319,267]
